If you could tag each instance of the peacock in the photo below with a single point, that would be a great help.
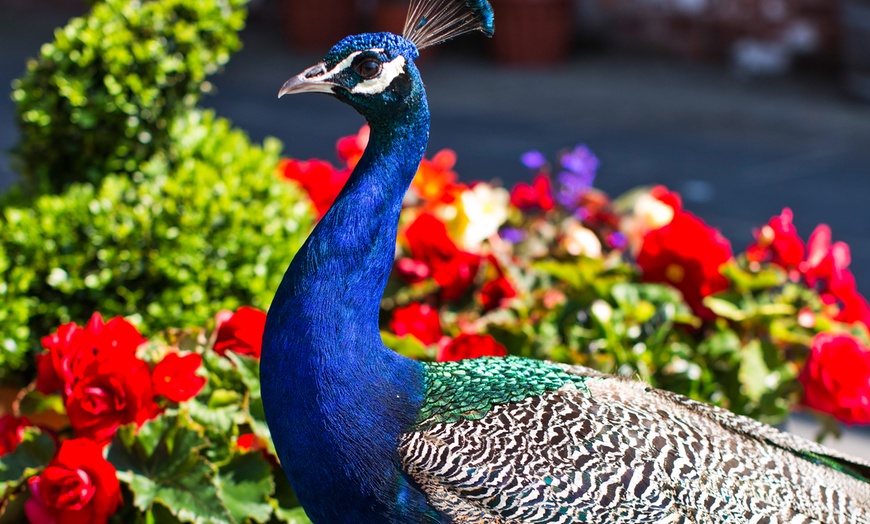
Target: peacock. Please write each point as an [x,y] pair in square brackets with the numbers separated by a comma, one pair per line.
[367,436]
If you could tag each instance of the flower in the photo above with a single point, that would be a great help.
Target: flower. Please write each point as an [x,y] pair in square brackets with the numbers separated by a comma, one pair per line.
[580,167]
[71,348]
[651,210]
[350,148]
[686,253]
[471,346]
[321,180]
[578,240]
[827,268]
[538,195]
[110,392]
[482,210]
[496,292]
[533,159]
[11,432]
[78,486]
[452,269]
[175,377]
[242,333]
[435,176]
[418,320]
[836,378]
[778,243]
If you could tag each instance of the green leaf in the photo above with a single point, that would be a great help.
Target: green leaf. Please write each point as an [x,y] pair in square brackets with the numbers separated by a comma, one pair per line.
[249,370]
[162,463]
[407,345]
[36,402]
[293,516]
[725,308]
[32,454]
[748,281]
[753,371]
[246,483]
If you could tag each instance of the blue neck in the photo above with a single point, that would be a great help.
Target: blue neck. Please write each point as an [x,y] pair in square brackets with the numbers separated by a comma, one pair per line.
[336,399]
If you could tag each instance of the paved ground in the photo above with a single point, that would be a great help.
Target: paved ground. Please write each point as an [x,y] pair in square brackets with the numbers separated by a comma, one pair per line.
[738,151]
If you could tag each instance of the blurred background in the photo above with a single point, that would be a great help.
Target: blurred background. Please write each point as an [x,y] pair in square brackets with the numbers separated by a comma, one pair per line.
[743,106]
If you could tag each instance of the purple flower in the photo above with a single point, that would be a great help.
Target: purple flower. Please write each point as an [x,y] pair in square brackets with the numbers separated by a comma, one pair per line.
[512,234]
[580,168]
[617,240]
[533,160]
[580,161]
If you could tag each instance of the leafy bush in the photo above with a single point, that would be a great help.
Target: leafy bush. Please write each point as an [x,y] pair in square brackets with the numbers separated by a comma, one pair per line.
[169,247]
[102,97]
[182,437]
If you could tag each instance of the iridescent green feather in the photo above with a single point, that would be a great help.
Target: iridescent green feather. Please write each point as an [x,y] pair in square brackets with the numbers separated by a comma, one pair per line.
[468,389]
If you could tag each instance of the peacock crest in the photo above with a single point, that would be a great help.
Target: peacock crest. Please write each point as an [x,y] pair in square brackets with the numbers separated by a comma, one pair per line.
[431,22]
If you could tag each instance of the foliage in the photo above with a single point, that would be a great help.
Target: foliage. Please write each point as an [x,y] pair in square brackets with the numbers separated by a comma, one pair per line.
[199,453]
[168,248]
[103,96]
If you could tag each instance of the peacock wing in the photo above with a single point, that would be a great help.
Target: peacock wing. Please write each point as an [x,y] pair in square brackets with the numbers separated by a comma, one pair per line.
[515,440]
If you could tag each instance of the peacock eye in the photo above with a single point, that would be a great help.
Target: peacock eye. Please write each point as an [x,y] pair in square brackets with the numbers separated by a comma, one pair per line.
[369,68]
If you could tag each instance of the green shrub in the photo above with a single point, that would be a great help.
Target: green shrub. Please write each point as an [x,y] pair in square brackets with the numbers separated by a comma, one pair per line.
[100,99]
[168,247]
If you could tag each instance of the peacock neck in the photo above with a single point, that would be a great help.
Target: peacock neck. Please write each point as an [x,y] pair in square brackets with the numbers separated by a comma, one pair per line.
[336,399]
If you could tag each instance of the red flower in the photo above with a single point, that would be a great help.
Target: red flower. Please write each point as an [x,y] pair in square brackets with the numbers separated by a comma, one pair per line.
[350,148]
[320,179]
[72,348]
[538,195]
[242,333]
[836,378]
[471,346]
[778,242]
[419,320]
[79,486]
[110,392]
[11,432]
[452,269]
[827,268]
[498,291]
[175,377]
[434,177]
[686,253]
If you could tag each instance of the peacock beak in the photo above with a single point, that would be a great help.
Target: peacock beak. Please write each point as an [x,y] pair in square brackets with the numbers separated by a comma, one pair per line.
[315,79]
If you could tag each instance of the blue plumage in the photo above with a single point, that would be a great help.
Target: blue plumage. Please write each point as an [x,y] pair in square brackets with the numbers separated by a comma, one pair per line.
[367,436]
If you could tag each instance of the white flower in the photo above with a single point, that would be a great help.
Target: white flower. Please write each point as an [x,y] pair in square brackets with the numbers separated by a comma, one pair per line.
[578,240]
[485,209]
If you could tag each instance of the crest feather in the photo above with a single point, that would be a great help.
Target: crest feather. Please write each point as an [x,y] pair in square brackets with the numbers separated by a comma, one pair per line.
[431,22]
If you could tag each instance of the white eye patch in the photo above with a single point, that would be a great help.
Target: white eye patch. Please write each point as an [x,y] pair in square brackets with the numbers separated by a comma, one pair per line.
[389,72]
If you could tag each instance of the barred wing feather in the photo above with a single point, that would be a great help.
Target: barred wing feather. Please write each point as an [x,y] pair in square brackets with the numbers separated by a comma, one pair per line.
[617,451]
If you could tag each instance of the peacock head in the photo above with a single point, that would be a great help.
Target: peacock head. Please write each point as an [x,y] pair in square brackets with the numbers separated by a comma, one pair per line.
[375,72]
[372,72]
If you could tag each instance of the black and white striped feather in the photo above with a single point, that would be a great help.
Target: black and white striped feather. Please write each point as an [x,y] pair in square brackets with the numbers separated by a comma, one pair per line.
[618,451]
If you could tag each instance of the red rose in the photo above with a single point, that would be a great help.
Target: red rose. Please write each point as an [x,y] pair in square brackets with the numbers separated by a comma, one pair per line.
[471,346]
[836,378]
[320,179]
[419,320]
[110,392]
[79,486]
[538,195]
[175,377]
[242,333]
[451,268]
[72,348]
[778,242]
[11,432]
[686,253]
